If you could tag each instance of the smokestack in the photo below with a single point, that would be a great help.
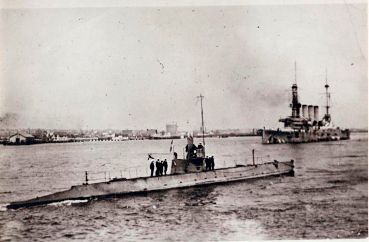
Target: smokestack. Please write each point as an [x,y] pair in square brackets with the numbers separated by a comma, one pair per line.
[304,111]
[316,113]
[311,111]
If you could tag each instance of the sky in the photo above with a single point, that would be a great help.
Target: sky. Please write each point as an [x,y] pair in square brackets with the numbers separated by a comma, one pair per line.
[138,67]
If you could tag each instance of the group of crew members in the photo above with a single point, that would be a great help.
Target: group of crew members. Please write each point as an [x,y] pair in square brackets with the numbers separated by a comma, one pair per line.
[161,167]
[209,163]
[193,151]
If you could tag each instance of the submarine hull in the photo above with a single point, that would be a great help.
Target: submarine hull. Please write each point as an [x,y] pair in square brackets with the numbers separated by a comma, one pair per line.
[150,184]
[304,136]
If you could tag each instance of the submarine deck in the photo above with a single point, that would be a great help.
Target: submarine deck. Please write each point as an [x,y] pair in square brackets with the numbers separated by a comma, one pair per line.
[138,185]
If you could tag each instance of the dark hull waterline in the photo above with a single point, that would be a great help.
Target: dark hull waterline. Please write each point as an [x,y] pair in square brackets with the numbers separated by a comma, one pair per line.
[297,137]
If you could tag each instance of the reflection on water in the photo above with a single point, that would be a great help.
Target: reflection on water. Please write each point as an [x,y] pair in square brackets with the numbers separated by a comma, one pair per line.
[327,198]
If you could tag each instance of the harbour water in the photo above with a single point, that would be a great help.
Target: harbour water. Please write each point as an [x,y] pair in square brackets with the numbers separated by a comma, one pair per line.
[327,197]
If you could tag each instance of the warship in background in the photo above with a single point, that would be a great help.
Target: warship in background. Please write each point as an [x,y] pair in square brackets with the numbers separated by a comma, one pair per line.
[306,127]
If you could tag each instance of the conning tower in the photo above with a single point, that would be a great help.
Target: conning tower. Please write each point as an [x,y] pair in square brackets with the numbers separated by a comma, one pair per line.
[296,106]
[294,121]
[295,99]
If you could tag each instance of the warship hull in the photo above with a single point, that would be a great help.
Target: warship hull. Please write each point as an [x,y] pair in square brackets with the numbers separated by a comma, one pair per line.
[302,136]
[119,187]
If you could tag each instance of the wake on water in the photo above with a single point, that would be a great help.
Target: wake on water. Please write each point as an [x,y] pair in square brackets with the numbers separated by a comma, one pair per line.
[68,202]
[3,207]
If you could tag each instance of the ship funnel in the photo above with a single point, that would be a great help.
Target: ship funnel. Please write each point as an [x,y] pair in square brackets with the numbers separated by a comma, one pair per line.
[310,112]
[304,111]
[316,113]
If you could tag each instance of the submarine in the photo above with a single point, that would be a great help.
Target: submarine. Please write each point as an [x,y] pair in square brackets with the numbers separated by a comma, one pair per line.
[190,171]
[185,173]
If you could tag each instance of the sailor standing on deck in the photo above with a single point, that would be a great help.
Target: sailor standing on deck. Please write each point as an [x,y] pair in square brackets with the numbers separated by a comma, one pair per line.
[212,164]
[207,163]
[161,167]
[165,165]
[157,164]
[152,167]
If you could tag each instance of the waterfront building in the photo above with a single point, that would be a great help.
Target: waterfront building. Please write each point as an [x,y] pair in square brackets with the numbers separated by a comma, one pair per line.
[21,138]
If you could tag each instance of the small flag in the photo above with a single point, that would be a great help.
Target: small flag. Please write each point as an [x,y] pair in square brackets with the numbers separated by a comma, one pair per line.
[171,146]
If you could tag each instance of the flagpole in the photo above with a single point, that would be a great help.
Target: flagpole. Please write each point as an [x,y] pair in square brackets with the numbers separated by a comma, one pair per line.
[202,119]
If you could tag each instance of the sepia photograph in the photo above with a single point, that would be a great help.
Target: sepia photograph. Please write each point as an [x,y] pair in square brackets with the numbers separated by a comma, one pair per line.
[183,120]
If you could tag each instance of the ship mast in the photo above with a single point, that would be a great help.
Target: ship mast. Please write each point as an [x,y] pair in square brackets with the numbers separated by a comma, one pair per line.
[295,74]
[202,119]
[295,101]
[328,97]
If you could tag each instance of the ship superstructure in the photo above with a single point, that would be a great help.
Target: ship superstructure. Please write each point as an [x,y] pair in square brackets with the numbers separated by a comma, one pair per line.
[304,124]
